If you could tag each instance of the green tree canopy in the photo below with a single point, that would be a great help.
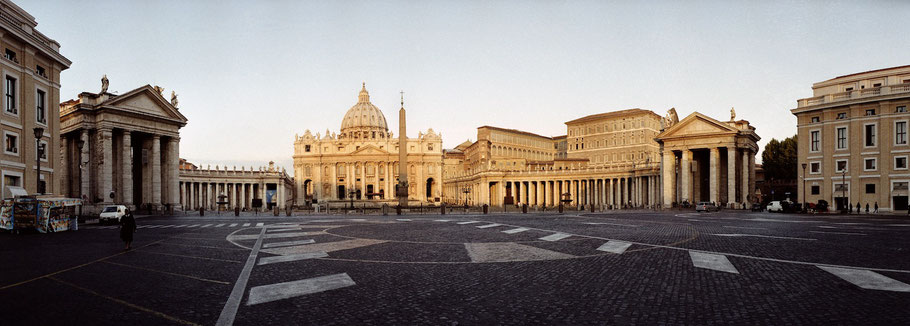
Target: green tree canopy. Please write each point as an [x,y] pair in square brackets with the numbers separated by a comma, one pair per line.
[779,159]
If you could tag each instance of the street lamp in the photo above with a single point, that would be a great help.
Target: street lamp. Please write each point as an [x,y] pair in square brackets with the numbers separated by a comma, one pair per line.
[466,191]
[38,133]
[351,195]
[804,187]
[843,188]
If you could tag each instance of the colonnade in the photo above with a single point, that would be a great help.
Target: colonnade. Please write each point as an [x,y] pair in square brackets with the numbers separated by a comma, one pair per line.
[240,194]
[383,178]
[615,193]
[729,179]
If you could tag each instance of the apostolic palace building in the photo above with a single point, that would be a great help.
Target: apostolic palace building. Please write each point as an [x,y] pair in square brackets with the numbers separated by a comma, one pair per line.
[853,144]
[361,161]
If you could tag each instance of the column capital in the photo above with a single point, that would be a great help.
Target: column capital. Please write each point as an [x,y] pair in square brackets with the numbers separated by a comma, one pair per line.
[127,132]
[156,137]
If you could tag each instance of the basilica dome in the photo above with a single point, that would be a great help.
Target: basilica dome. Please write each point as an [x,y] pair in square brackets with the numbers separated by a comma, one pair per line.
[364,120]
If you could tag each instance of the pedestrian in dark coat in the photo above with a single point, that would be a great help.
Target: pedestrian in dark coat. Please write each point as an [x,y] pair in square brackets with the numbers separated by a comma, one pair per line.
[127,227]
[867,208]
[876,208]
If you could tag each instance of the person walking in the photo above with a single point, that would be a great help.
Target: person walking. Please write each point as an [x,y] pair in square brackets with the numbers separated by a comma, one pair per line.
[867,208]
[127,227]
[857,207]
[876,208]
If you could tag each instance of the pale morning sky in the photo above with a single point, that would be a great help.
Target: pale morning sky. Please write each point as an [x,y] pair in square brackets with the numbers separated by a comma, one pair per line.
[251,74]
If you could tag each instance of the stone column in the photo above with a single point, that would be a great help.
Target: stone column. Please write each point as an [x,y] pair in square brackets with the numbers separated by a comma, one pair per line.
[713,167]
[745,176]
[155,160]
[751,183]
[669,178]
[105,179]
[84,163]
[686,172]
[64,166]
[731,178]
[126,194]
[173,166]
[333,183]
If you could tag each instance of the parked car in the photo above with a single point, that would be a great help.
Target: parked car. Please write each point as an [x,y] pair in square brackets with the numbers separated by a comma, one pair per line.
[112,213]
[757,207]
[822,206]
[704,206]
[775,206]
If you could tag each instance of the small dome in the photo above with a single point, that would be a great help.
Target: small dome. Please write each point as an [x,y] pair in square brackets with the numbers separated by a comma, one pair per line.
[364,116]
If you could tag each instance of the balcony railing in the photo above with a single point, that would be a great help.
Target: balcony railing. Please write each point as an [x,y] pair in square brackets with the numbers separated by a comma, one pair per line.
[854,94]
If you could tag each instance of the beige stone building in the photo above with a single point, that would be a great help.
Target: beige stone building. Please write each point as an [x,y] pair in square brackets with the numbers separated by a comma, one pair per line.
[205,187]
[362,159]
[708,160]
[121,149]
[507,166]
[853,140]
[31,67]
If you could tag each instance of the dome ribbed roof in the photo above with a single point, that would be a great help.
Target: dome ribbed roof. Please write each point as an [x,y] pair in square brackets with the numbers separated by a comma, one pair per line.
[364,116]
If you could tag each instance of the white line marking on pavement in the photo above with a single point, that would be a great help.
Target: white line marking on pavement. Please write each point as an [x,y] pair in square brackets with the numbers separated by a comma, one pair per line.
[194,225]
[744,227]
[288,243]
[762,219]
[403,219]
[868,279]
[232,225]
[279,291]
[442,220]
[616,247]
[853,223]
[260,224]
[617,224]
[513,231]
[205,226]
[180,226]
[827,227]
[489,226]
[844,233]
[219,225]
[712,261]
[468,222]
[555,237]
[230,307]
[284,230]
[897,224]
[287,258]
[270,235]
[246,224]
[166,226]
[759,236]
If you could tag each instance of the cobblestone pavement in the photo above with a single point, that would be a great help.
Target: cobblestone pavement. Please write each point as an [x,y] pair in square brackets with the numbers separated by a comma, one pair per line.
[624,267]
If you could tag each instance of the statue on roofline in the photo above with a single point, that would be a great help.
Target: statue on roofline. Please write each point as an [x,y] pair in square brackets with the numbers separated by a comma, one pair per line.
[732,114]
[174,98]
[104,83]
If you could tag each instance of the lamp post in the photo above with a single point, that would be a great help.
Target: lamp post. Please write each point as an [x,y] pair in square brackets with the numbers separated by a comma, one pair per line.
[804,188]
[351,195]
[466,191]
[38,133]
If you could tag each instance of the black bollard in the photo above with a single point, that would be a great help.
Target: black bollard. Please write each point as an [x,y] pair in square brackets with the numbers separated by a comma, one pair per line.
[201,211]
[236,211]
[486,209]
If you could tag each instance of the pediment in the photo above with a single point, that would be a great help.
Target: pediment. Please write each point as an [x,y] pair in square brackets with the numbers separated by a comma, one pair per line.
[697,124]
[145,100]
[370,150]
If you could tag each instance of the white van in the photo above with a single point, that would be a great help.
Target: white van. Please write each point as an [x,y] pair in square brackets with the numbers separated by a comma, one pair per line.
[775,206]
[112,213]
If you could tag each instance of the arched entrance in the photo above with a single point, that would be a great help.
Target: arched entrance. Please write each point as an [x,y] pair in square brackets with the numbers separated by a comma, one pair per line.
[308,192]
[430,185]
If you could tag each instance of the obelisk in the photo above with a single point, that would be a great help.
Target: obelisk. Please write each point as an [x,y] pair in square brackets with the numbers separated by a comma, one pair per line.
[402,191]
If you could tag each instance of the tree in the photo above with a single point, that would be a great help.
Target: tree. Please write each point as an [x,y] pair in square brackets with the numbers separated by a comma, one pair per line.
[779,159]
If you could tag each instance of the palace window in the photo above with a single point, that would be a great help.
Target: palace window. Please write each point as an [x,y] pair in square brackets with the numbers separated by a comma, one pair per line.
[842,115]
[870,164]
[42,151]
[39,70]
[40,97]
[870,112]
[11,95]
[840,166]
[870,135]
[900,133]
[12,143]
[900,162]
[815,167]
[814,140]
[870,188]
[816,190]
[815,119]
[842,138]
[901,109]
[306,148]
[10,55]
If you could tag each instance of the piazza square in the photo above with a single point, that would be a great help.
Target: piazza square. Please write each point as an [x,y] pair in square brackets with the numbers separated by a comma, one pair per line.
[247,163]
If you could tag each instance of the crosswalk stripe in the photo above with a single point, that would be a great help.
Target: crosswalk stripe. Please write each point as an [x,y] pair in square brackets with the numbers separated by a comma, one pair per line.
[287,243]
[555,237]
[468,222]
[259,224]
[246,224]
[403,219]
[867,279]
[219,225]
[279,291]
[513,231]
[616,247]
[192,226]
[295,257]
[712,261]
[179,226]
[488,226]
[441,220]
[232,225]
[205,226]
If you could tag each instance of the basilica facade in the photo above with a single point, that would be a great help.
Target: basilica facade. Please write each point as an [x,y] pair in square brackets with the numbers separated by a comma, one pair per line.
[361,162]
